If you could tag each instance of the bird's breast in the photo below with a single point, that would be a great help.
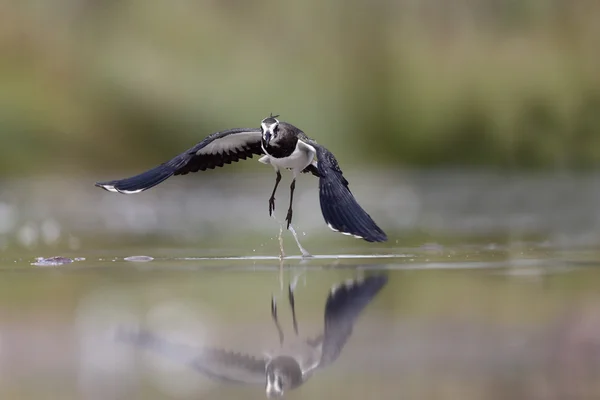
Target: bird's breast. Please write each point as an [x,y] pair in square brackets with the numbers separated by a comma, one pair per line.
[297,160]
[282,150]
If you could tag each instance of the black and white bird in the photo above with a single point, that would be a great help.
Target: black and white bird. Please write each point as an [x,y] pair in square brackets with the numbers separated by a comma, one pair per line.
[294,363]
[282,146]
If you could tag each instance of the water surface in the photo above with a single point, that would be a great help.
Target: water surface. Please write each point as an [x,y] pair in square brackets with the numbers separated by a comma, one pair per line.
[489,295]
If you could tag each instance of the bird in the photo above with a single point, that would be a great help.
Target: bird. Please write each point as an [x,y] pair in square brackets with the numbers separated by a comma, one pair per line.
[293,363]
[281,145]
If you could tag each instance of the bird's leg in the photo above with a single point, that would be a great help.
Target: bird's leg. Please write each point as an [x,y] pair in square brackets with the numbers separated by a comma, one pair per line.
[291,297]
[272,199]
[289,213]
[293,305]
[297,278]
[275,319]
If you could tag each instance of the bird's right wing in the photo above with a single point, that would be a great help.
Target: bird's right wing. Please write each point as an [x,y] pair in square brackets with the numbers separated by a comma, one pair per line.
[216,150]
[216,364]
[341,211]
[344,305]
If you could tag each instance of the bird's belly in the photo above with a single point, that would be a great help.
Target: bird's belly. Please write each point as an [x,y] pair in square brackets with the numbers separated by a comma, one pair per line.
[294,161]
[298,160]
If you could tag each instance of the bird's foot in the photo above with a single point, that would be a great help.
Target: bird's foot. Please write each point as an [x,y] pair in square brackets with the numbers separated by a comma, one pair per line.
[271,205]
[288,218]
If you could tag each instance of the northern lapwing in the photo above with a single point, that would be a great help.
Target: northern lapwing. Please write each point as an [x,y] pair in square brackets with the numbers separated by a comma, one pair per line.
[294,363]
[283,146]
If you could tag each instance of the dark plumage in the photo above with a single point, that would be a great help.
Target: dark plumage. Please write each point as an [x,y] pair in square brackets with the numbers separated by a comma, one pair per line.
[340,209]
[282,146]
[193,161]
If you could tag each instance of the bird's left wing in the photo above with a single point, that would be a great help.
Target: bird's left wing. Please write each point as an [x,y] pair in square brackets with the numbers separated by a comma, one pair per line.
[344,304]
[341,211]
[213,363]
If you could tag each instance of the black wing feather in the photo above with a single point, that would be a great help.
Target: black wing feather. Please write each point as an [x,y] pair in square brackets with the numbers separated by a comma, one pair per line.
[340,209]
[190,161]
[344,305]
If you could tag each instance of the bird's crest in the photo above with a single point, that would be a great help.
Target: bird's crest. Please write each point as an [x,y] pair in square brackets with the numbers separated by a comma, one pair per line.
[271,119]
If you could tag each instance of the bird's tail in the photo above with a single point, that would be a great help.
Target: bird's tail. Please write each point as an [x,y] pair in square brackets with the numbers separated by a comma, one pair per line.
[145,180]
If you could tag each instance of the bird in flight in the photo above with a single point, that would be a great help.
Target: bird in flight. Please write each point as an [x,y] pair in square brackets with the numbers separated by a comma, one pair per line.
[281,145]
[294,363]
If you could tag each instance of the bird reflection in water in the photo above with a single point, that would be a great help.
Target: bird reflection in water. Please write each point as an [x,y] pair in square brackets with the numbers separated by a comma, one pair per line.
[296,360]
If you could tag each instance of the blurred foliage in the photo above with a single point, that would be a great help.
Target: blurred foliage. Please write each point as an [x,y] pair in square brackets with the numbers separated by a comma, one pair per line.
[111,85]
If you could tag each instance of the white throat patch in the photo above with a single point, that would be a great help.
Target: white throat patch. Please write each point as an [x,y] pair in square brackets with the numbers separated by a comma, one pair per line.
[268,128]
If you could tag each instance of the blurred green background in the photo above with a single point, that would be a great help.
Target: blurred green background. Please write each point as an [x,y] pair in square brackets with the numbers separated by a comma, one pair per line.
[428,92]
[104,85]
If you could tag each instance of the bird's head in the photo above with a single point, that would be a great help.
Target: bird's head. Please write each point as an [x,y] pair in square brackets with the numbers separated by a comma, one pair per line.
[270,130]
[283,373]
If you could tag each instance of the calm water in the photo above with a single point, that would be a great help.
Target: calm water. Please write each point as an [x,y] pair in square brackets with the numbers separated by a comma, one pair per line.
[493,288]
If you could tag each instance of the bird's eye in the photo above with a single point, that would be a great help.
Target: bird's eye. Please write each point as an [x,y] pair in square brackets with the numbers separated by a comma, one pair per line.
[275,129]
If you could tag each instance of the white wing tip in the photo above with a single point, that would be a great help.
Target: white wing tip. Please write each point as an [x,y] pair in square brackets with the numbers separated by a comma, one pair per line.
[349,283]
[132,191]
[343,233]
[112,188]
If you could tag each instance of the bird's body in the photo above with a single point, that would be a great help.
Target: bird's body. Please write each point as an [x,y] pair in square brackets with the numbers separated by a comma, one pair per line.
[294,362]
[301,157]
[281,145]
[288,148]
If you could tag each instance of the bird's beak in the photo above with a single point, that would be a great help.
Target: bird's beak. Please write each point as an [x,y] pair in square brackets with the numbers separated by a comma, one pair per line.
[267,137]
